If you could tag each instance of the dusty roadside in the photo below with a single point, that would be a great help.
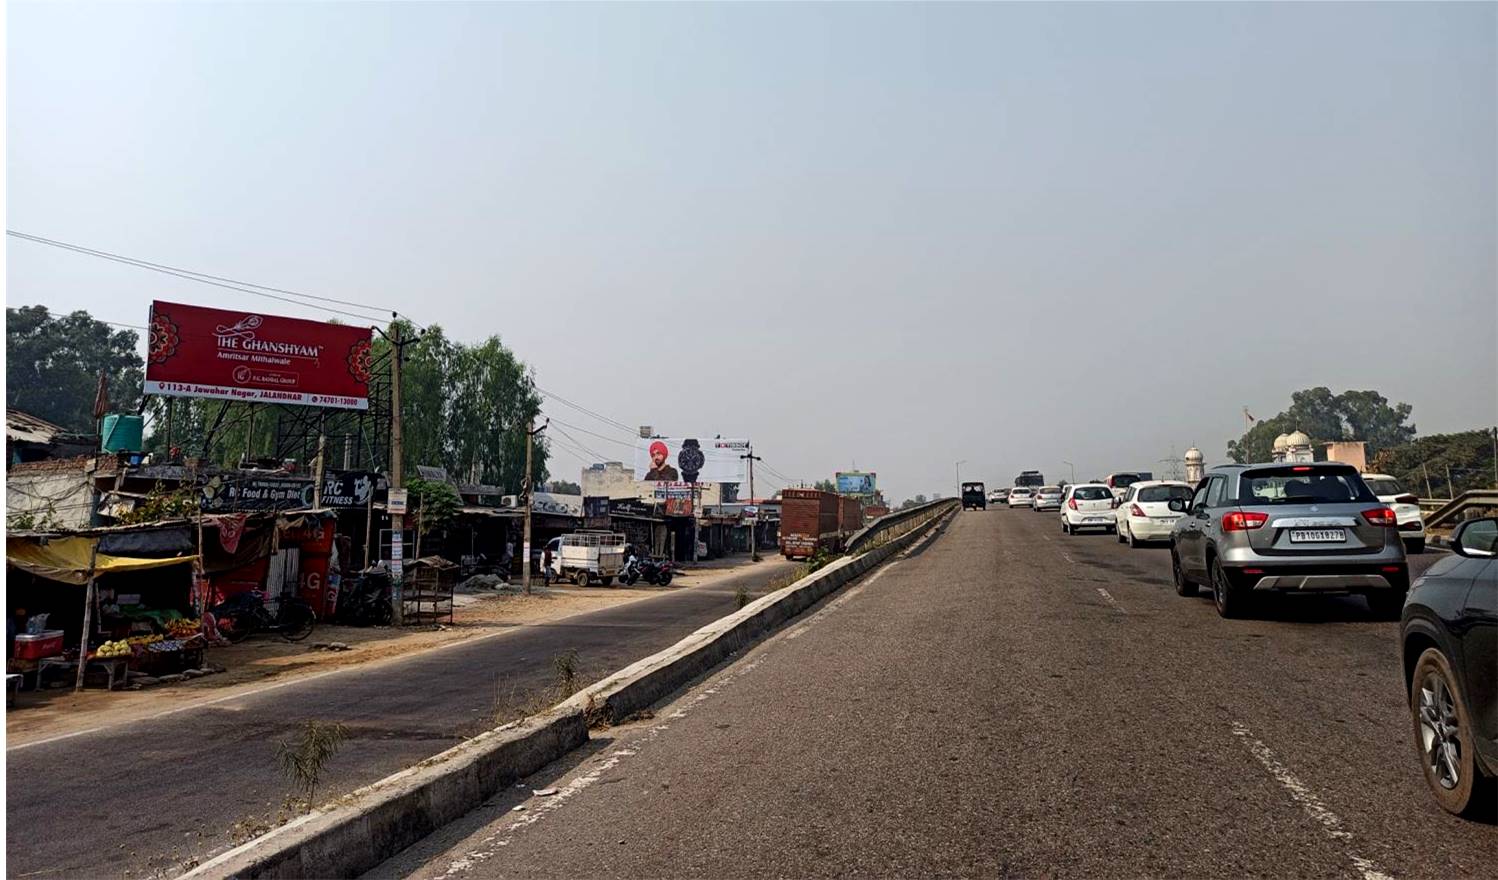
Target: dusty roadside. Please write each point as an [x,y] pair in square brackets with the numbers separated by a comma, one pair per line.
[269,662]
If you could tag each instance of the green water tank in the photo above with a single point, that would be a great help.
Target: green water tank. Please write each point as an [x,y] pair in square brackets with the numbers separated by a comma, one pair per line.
[122,432]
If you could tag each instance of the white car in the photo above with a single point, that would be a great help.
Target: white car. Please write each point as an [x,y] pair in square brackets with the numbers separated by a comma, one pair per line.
[1019,496]
[1144,512]
[1406,509]
[1087,506]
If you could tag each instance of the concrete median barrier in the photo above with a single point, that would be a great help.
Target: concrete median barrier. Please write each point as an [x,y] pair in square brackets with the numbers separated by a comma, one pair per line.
[374,823]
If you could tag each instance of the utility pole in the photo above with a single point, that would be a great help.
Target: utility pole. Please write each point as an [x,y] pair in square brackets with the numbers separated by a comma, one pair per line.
[249,434]
[525,497]
[319,466]
[397,459]
[1073,470]
[959,477]
[1495,457]
[754,527]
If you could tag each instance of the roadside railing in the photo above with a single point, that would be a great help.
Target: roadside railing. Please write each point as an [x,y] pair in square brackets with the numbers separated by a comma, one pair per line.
[896,523]
[1452,511]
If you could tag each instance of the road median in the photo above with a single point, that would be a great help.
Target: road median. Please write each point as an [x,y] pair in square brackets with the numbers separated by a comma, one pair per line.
[361,830]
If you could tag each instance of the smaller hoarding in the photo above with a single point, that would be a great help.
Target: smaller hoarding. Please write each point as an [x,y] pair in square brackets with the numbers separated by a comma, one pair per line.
[395,502]
[855,483]
[676,497]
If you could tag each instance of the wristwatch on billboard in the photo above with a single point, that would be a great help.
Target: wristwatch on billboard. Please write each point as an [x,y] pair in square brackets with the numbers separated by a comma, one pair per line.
[691,460]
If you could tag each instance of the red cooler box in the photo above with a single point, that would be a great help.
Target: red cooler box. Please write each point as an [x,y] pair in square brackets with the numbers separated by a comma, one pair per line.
[47,643]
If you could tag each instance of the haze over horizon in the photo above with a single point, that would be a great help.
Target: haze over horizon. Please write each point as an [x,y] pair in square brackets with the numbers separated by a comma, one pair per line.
[896,236]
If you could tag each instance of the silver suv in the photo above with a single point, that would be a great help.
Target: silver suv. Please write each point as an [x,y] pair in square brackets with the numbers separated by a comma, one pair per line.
[1254,529]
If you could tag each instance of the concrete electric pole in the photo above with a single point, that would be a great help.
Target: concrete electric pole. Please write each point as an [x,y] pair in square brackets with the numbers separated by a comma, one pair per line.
[754,527]
[525,566]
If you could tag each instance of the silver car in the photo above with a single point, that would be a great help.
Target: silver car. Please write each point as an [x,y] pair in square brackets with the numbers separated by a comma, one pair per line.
[1256,529]
[1046,498]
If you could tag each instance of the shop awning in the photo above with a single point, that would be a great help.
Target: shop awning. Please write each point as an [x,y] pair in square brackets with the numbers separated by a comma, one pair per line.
[67,559]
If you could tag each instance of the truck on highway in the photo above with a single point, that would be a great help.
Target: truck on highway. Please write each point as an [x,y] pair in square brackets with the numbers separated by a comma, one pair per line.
[973,497]
[809,521]
[849,517]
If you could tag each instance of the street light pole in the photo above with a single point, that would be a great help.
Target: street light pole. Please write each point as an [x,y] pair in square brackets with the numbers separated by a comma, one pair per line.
[959,477]
[1073,470]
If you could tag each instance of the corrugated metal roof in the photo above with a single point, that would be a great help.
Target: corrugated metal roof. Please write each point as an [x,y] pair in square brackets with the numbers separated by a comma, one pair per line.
[24,427]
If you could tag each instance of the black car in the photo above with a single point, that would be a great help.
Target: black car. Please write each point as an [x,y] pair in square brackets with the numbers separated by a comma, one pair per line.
[973,497]
[1449,643]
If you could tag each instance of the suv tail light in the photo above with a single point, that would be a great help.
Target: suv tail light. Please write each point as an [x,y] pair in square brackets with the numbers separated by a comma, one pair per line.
[1380,516]
[1243,520]
[1072,503]
[1135,511]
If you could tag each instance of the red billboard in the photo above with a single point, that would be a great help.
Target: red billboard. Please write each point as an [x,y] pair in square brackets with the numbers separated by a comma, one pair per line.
[231,355]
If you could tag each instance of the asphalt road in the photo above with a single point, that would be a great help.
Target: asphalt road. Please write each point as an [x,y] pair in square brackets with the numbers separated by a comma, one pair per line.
[147,797]
[1006,702]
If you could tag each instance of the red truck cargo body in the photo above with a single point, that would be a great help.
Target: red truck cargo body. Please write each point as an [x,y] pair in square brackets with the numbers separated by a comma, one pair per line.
[850,516]
[873,512]
[808,522]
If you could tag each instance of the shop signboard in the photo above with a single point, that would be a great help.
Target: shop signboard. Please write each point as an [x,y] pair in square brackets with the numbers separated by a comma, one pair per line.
[557,505]
[349,488]
[234,355]
[690,460]
[596,512]
[234,493]
[676,497]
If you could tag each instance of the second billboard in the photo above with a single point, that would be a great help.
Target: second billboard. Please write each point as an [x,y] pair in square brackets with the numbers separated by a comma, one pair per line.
[690,460]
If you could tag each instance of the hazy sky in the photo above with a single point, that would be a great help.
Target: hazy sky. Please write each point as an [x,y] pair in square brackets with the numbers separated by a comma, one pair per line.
[896,236]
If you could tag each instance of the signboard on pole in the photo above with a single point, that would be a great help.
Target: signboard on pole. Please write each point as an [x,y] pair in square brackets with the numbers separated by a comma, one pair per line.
[395,502]
[690,460]
[349,488]
[676,497]
[233,355]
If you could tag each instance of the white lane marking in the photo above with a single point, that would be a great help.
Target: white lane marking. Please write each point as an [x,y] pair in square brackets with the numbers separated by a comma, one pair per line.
[1105,594]
[1069,559]
[1313,805]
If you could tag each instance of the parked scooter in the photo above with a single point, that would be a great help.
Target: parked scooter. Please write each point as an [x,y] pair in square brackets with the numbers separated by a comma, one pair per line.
[244,613]
[631,571]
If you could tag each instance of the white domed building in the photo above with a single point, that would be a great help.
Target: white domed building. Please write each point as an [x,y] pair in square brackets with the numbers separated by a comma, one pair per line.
[1281,447]
[1298,448]
[1196,465]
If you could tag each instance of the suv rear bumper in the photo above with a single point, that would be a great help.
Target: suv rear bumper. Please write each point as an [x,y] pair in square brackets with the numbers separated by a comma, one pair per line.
[1320,578]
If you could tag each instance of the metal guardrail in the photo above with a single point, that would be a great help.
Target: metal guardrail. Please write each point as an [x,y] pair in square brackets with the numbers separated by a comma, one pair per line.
[896,523]
[1451,510]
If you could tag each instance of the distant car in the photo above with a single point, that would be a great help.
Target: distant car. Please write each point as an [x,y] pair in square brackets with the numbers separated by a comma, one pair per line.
[1406,510]
[1144,512]
[998,496]
[1448,639]
[1119,482]
[1257,529]
[1087,506]
[1046,498]
[1019,496]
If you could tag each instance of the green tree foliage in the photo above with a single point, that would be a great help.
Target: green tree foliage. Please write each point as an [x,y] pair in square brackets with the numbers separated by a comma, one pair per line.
[53,363]
[564,487]
[825,486]
[467,408]
[1324,416]
[1467,456]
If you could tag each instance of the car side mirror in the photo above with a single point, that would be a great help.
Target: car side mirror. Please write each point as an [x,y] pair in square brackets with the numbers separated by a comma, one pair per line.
[1460,548]
[1176,504]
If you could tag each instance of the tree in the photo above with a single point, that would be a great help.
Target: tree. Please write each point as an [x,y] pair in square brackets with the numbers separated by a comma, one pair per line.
[564,487]
[1466,456]
[53,366]
[1351,415]
[825,486]
[437,505]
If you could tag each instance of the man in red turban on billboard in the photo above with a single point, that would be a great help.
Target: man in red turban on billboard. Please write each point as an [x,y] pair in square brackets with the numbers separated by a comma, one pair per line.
[660,470]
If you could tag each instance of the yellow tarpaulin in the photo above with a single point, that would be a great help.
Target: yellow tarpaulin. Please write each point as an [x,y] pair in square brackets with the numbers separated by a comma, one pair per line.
[66,559]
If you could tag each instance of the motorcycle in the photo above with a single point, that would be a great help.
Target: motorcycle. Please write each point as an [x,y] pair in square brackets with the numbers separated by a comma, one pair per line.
[243,614]
[657,571]
[367,603]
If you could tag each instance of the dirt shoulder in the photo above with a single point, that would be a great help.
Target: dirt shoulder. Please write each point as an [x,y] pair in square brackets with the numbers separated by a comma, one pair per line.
[262,662]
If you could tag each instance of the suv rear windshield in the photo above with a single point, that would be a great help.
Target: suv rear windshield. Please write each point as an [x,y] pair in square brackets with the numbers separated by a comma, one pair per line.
[1381,486]
[1092,493]
[1303,484]
[1164,493]
[1122,481]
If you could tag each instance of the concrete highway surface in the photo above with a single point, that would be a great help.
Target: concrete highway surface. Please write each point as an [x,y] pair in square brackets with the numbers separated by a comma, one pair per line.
[1005,701]
[147,797]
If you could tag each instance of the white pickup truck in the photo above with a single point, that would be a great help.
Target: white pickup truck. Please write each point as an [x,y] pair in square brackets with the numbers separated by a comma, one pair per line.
[587,556]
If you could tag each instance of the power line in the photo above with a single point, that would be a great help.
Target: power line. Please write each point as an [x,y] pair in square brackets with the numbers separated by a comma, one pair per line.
[591,433]
[212,280]
[580,445]
[582,409]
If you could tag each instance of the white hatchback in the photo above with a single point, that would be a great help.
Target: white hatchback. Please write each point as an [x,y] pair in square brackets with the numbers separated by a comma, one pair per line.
[1019,496]
[1087,506]
[1144,512]
[1406,506]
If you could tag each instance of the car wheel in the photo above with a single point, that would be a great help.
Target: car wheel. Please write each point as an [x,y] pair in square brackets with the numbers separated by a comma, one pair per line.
[1120,533]
[581,579]
[1231,601]
[1065,527]
[1415,547]
[1184,585]
[1130,539]
[1386,604]
[1443,735]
